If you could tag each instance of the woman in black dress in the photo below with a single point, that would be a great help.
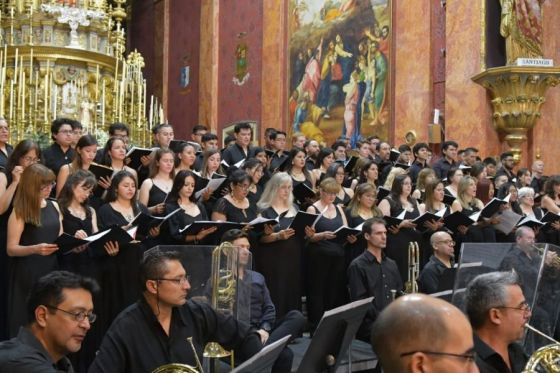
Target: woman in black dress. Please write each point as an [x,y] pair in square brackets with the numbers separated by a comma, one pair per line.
[336,171]
[235,206]
[279,259]
[114,155]
[155,189]
[25,154]
[80,220]
[186,157]
[119,270]
[325,269]
[361,208]
[468,204]
[295,167]
[366,171]
[399,237]
[33,227]
[182,196]
[324,159]
[254,169]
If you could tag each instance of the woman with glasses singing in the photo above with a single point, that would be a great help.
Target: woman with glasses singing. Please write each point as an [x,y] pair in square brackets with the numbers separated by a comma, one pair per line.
[336,171]
[235,206]
[399,236]
[34,225]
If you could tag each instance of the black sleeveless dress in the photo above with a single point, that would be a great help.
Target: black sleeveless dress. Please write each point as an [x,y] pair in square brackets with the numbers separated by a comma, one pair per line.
[156,196]
[397,244]
[77,262]
[25,270]
[326,271]
[280,263]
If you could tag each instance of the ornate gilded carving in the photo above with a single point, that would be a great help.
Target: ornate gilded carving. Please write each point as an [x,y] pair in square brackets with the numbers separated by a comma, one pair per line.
[517,95]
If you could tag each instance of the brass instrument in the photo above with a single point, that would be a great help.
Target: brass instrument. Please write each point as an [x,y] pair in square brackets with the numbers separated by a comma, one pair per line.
[182,368]
[224,288]
[411,285]
[555,258]
[546,358]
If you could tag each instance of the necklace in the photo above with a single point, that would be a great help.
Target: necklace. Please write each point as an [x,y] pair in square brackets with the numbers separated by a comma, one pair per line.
[239,202]
[77,213]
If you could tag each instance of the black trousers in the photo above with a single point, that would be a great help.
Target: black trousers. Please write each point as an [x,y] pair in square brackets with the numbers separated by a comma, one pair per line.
[291,324]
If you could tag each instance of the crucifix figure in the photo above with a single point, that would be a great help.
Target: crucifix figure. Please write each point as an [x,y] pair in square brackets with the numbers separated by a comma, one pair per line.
[75,17]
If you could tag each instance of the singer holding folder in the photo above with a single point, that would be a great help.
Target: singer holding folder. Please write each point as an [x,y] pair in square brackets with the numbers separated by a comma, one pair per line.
[154,190]
[33,226]
[182,196]
[279,257]
[325,267]
[119,276]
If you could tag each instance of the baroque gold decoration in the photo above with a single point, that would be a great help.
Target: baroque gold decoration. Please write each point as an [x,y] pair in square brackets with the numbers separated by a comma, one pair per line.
[517,95]
[66,58]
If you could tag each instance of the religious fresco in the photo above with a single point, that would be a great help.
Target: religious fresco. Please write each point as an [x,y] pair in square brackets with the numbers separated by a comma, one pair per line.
[339,64]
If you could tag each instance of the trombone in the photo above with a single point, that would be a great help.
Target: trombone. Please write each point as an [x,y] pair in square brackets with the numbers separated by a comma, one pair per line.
[411,285]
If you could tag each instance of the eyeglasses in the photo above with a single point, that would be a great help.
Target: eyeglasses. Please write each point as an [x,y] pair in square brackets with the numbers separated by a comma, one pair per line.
[177,281]
[524,307]
[78,316]
[66,132]
[447,242]
[243,186]
[469,356]
[30,159]
[4,128]
[48,186]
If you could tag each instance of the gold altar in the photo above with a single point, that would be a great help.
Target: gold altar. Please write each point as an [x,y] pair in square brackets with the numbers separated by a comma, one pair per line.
[65,58]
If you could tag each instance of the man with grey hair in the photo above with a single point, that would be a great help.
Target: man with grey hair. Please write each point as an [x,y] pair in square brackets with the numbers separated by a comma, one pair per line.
[538,178]
[419,333]
[441,259]
[498,312]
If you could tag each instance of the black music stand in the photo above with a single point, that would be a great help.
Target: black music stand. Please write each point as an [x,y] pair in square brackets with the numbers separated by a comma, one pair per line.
[264,359]
[334,334]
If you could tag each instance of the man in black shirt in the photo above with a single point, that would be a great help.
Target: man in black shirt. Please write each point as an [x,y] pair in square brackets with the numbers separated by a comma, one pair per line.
[60,308]
[420,152]
[60,152]
[498,312]
[373,274]
[448,159]
[441,259]
[279,143]
[241,149]
[508,163]
[154,331]
[312,150]
[262,309]
[418,333]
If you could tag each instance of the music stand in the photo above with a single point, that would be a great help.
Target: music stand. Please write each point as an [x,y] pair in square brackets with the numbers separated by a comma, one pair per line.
[334,334]
[264,359]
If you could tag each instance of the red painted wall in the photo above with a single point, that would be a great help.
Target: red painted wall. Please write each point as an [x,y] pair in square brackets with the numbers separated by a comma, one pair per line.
[184,40]
[239,102]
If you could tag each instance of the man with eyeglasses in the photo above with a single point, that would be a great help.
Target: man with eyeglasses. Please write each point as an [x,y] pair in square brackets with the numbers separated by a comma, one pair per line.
[442,259]
[508,163]
[498,312]
[60,310]
[154,331]
[418,333]
[60,152]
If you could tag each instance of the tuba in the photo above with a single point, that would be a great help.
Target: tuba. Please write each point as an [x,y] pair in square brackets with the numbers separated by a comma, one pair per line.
[224,289]
[546,359]
[411,285]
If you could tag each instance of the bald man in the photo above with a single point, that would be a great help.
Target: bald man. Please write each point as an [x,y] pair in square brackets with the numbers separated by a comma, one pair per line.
[419,333]
[442,258]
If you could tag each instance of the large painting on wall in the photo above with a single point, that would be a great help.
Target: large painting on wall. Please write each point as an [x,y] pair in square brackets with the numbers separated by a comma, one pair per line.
[339,68]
